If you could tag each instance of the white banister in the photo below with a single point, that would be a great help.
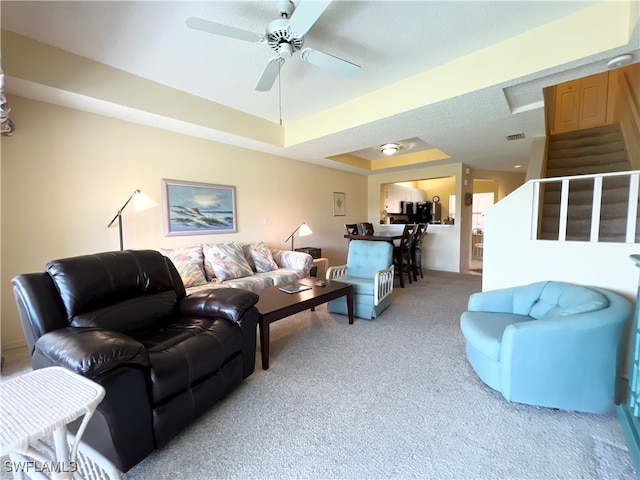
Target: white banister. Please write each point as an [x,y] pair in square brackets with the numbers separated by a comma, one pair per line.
[596,205]
[632,213]
[595,209]
[535,211]
[564,209]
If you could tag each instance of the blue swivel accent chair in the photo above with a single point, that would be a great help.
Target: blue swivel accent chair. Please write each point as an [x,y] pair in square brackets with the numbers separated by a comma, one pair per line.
[369,270]
[551,344]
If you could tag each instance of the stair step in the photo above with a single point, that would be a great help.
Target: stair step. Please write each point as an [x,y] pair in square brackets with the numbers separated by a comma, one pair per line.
[592,151]
[591,156]
[585,196]
[612,230]
[588,169]
[597,148]
[609,184]
[593,141]
[588,133]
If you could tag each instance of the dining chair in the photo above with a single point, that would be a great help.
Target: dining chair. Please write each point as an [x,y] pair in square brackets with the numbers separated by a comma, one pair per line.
[416,249]
[365,228]
[351,228]
[477,242]
[402,254]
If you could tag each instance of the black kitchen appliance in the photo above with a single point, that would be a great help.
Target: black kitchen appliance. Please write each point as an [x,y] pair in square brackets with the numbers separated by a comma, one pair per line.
[423,212]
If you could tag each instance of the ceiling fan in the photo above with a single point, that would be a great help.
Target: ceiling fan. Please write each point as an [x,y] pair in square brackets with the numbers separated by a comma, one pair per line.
[285,36]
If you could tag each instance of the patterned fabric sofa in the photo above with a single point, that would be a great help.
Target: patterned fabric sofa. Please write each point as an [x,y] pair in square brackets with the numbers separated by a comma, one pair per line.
[250,266]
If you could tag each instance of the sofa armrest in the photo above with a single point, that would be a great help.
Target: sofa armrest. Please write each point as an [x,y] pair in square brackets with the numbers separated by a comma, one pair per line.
[293,259]
[226,302]
[90,352]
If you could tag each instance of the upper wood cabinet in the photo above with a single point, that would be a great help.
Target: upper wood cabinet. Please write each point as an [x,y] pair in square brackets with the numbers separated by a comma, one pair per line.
[581,104]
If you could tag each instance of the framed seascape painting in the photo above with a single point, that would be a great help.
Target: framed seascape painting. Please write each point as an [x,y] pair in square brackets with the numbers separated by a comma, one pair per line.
[193,208]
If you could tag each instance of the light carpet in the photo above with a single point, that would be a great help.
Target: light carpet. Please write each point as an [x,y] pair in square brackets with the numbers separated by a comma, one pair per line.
[388,398]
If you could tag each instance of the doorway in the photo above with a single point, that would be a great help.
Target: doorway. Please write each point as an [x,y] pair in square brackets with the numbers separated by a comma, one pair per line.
[484,195]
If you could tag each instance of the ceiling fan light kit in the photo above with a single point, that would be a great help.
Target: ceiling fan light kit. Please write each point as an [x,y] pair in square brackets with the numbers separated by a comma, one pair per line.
[285,36]
[390,148]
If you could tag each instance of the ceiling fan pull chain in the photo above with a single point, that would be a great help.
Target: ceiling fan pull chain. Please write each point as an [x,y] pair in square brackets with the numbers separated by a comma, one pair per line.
[280,90]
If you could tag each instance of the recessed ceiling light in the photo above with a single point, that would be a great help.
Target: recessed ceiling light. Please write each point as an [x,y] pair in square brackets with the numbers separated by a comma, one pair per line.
[390,148]
[517,166]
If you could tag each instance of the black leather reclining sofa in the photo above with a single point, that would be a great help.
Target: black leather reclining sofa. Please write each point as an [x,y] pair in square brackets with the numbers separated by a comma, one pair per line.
[123,320]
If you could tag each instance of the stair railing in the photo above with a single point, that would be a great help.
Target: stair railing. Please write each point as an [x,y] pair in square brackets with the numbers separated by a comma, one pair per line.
[626,110]
[632,206]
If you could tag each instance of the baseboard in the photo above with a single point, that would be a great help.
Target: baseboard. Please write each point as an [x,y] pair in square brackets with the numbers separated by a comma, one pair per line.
[13,346]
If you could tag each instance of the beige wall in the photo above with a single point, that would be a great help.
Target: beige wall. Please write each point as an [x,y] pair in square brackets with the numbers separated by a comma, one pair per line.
[442,187]
[454,259]
[65,173]
[507,182]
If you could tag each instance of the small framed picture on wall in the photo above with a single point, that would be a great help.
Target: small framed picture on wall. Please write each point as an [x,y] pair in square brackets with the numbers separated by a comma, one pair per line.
[339,204]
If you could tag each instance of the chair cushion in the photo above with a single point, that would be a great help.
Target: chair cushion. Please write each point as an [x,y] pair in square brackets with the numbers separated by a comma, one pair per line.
[253,282]
[362,286]
[187,351]
[365,258]
[554,299]
[130,315]
[283,275]
[483,330]
[96,289]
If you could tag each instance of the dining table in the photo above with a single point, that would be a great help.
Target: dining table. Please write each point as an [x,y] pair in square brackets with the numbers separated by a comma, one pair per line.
[376,237]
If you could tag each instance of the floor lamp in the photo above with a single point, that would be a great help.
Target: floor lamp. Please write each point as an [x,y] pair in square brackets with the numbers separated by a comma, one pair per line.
[304,231]
[140,202]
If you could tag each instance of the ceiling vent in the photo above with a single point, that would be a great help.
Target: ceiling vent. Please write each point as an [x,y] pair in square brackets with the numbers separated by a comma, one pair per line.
[517,136]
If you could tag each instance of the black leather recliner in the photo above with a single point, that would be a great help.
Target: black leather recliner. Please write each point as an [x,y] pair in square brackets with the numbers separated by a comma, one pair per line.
[123,320]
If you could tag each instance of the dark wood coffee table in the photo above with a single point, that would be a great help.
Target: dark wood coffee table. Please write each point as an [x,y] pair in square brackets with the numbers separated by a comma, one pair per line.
[275,304]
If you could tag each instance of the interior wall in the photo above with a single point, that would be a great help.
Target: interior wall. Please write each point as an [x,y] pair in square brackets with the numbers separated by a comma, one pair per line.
[442,187]
[65,173]
[507,181]
[454,258]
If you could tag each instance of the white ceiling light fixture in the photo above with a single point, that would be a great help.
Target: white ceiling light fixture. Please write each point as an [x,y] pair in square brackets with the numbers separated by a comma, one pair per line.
[620,60]
[390,148]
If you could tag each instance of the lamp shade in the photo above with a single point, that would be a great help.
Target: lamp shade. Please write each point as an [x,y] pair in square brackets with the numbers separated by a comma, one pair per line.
[304,230]
[142,201]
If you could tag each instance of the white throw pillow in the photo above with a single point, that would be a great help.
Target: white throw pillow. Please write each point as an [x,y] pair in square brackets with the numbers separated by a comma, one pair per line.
[189,261]
[263,258]
[226,260]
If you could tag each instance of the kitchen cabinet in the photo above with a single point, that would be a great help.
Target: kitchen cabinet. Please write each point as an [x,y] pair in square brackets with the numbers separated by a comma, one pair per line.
[394,194]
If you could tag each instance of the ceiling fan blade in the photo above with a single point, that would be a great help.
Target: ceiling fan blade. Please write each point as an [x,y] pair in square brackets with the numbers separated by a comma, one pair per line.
[329,62]
[224,30]
[306,14]
[269,75]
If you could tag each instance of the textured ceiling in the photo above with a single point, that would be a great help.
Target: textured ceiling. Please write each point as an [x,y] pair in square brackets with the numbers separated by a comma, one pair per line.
[391,41]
